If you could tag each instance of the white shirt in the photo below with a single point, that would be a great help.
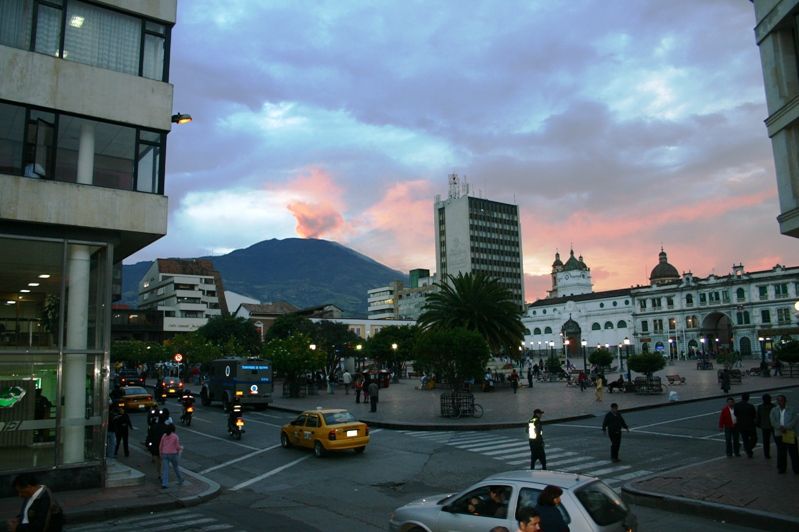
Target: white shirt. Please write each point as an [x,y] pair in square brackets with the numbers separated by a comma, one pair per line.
[28,504]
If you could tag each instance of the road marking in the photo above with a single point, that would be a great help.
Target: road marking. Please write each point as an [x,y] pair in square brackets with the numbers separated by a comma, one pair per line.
[485,447]
[632,474]
[269,473]
[519,445]
[582,458]
[600,472]
[475,439]
[684,436]
[584,467]
[239,459]
[223,439]
[674,420]
[251,420]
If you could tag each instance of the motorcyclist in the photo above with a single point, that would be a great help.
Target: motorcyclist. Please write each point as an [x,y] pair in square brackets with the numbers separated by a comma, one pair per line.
[160,395]
[187,400]
[234,412]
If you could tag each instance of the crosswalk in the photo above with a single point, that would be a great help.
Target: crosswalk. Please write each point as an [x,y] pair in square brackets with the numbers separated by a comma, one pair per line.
[184,519]
[516,453]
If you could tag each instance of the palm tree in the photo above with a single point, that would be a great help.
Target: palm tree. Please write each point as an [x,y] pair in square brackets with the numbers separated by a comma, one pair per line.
[479,303]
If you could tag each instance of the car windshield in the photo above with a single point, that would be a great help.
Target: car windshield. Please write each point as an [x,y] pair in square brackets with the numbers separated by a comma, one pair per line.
[135,390]
[334,418]
[602,503]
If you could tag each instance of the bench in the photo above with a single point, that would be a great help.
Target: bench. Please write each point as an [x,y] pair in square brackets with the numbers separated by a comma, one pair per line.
[735,375]
[648,386]
[675,379]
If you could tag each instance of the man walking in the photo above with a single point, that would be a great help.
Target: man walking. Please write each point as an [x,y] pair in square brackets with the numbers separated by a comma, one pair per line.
[600,383]
[346,378]
[785,422]
[764,423]
[536,436]
[746,417]
[727,424]
[613,424]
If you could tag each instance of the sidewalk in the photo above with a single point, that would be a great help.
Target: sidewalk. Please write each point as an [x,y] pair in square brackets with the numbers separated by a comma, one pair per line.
[737,490]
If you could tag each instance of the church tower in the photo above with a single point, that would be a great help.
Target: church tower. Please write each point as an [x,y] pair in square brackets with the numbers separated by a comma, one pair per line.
[570,278]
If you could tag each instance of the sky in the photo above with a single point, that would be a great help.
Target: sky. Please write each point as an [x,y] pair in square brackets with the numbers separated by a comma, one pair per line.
[616,126]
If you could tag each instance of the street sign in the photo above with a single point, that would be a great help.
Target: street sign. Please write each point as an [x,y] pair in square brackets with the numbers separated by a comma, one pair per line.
[178,357]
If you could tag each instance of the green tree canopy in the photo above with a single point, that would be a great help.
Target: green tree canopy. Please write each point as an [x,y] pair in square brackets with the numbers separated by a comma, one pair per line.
[133,352]
[379,347]
[602,357]
[646,363]
[335,341]
[728,358]
[289,325]
[195,347]
[235,336]
[292,357]
[455,355]
[478,303]
[787,352]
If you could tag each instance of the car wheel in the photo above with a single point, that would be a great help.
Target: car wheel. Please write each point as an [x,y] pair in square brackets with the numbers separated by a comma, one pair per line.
[360,450]
[284,440]
[318,449]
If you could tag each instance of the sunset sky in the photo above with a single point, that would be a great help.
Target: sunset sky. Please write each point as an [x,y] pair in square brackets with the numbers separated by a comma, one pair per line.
[616,126]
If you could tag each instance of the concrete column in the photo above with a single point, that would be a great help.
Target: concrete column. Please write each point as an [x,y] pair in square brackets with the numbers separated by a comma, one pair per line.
[77,327]
[86,154]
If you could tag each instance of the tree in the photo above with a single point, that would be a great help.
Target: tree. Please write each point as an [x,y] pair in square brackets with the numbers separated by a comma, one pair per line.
[380,347]
[478,303]
[292,357]
[289,325]
[728,358]
[646,363]
[602,357]
[787,352]
[455,355]
[335,341]
[235,336]
[195,347]
[133,352]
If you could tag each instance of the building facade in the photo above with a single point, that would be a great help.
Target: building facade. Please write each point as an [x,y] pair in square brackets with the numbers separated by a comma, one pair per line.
[476,235]
[85,108]
[399,302]
[675,314]
[777,36]
[187,292]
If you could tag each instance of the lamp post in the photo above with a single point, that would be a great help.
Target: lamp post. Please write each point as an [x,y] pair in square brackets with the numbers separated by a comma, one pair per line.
[358,360]
[671,356]
[551,348]
[627,355]
[702,341]
[764,371]
[539,348]
[584,343]
[566,351]
[395,378]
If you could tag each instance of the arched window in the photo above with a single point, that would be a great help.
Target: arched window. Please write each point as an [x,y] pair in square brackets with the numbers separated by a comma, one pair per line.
[740,294]
[537,331]
[596,327]
[548,330]
[608,325]
[689,300]
[621,325]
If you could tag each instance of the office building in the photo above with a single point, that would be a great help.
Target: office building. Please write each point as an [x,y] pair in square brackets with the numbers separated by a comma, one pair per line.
[476,235]
[85,109]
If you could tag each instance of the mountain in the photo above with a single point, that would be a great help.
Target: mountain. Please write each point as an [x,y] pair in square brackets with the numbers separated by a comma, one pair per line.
[304,272]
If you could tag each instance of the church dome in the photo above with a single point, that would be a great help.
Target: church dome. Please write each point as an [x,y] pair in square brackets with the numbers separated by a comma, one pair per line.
[663,272]
[573,264]
[557,263]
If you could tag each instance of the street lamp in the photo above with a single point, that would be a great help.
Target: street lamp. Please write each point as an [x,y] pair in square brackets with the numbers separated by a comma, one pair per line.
[551,348]
[627,355]
[358,360]
[702,341]
[671,357]
[584,343]
[395,378]
[764,371]
[539,347]
[566,351]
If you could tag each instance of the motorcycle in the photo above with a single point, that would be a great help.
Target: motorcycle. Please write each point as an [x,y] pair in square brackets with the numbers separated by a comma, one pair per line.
[185,418]
[235,422]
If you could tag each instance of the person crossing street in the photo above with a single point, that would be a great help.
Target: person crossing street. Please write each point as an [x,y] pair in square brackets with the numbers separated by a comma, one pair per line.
[613,424]
[535,434]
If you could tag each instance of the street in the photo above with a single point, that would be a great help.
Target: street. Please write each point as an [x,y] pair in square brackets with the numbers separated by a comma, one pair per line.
[267,487]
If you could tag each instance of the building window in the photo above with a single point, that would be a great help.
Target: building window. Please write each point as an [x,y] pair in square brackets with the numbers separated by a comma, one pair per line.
[644,326]
[765,316]
[547,330]
[781,290]
[621,325]
[691,322]
[642,304]
[703,298]
[762,292]
[669,302]
[93,35]
[672,324]
[608,325]
[689,300]
[740,295]
[783,316]
[537,331]
[742,317]
[657,325]
[596,327]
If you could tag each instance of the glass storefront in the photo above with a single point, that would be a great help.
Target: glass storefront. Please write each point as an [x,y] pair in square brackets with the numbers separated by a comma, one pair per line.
[52,350]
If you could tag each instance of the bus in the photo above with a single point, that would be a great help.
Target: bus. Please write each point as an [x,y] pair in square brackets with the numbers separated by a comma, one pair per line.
[248,379]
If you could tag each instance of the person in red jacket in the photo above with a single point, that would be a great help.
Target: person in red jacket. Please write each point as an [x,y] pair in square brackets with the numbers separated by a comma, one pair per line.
[728,424]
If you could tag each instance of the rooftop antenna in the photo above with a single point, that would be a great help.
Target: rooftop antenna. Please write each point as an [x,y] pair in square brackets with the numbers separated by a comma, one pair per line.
[454,191]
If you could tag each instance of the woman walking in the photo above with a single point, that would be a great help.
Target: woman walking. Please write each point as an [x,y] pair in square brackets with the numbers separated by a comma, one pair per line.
[170,449]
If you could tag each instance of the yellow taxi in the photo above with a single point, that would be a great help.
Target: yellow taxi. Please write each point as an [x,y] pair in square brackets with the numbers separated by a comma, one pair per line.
[135,398]
[324,430]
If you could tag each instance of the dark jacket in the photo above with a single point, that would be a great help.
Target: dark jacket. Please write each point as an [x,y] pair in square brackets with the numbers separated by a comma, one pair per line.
[38,516]
[745,415]
[614,423]
[763,413]
[121,423]
[551,519]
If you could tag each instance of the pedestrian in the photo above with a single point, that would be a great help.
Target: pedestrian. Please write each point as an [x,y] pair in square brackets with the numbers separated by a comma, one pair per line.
[514,380]
[155,432]
[613,424]
[746,423]
[358,388]
[600,383]
[122,425]
[529,376]
[170,448]
[547,508]
[374,390]
[764,423]
[727,424]
[528,519]
[777,367]
[535,435]
[582,380]
[346,378]
[40,511]
[365,388]
[725,380]
[785,421]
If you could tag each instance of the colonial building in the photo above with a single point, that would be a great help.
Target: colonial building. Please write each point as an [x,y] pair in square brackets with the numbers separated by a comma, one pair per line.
[85,109]
[743,311]
[476,235]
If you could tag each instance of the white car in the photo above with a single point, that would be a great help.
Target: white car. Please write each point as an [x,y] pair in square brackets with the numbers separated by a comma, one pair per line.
[587,504]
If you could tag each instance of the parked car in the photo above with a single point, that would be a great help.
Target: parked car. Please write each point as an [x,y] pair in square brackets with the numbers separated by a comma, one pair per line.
[325,430]
[587,505]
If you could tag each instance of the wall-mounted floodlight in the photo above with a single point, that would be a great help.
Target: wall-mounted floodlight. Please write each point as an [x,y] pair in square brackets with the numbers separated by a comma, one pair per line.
[181,118]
